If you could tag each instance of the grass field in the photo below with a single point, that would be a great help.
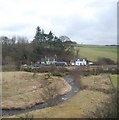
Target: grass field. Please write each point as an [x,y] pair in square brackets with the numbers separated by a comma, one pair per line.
[23,89]
[114,79]
[89,102]
[93,52]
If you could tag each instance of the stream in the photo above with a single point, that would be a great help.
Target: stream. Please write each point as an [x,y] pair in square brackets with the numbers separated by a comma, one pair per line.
[58,100]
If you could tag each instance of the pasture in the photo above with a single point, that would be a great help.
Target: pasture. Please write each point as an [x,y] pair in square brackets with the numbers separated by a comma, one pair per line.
[22,90]
[93,52]
[88,103]
[114,79]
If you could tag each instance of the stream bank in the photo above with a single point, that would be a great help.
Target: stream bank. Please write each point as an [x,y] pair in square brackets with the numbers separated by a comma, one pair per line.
[58,100]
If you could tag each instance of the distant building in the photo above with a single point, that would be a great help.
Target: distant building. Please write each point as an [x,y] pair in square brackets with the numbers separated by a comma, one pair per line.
[48,61]
[43,62]
[78,62]
[90,63]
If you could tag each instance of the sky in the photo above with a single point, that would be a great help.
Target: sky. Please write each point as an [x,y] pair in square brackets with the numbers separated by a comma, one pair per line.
[83,21]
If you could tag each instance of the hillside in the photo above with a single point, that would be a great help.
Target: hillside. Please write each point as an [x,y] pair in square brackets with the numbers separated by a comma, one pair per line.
[93,52]
[30,89]
[99,102]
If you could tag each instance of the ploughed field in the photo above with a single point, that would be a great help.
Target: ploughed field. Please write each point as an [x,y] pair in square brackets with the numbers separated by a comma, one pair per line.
[22,90]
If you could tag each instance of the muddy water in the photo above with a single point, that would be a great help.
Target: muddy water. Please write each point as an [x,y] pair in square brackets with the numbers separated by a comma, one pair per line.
[58,100]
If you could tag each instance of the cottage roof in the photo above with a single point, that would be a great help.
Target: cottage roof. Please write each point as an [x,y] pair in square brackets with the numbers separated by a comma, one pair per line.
[77,59]
[50,58]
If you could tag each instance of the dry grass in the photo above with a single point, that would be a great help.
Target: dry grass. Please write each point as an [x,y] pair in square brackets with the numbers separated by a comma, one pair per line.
[87,103]
[114,79]
[23,90]
[79,106]
[100,83]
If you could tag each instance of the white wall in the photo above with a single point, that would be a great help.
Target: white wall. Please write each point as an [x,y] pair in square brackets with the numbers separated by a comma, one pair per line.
[78,63]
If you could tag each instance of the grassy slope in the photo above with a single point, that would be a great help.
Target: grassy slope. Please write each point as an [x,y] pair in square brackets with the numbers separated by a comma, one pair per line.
[114,80]
[28,89]
[77,107]
[93,52]
[84,104]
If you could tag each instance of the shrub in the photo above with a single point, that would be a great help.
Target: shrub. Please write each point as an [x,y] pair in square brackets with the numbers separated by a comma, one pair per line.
[105,61]
[55,71]
[9,68]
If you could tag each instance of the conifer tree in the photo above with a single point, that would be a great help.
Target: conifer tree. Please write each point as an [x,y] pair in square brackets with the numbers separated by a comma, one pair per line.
[38,36]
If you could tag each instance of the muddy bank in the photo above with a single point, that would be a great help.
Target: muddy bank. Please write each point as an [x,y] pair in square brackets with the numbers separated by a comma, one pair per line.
[57,100]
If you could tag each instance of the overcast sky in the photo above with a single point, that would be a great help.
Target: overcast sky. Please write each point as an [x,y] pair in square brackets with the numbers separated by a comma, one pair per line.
[83,21]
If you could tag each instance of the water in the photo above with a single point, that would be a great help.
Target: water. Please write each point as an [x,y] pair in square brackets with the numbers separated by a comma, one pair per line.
[52,102]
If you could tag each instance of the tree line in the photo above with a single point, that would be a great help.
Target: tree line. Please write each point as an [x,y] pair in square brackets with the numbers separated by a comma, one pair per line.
[18,50]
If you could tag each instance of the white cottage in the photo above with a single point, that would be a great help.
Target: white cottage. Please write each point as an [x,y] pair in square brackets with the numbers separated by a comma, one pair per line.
[48,60]
[78,62]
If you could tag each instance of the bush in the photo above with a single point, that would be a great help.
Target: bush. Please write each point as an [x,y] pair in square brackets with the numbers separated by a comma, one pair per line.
[105,61]
[55,71]
[9,68]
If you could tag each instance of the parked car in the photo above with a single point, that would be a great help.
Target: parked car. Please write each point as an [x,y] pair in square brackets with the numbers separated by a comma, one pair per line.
[60,63]
[36,65]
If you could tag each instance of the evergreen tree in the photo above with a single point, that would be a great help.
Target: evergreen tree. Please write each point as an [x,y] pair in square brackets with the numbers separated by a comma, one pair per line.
[43,36]
[50,36]
[42,32]
[38,35]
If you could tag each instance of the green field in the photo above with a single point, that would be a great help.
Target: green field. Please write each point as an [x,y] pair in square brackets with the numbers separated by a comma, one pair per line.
[93,52]
[114,80]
